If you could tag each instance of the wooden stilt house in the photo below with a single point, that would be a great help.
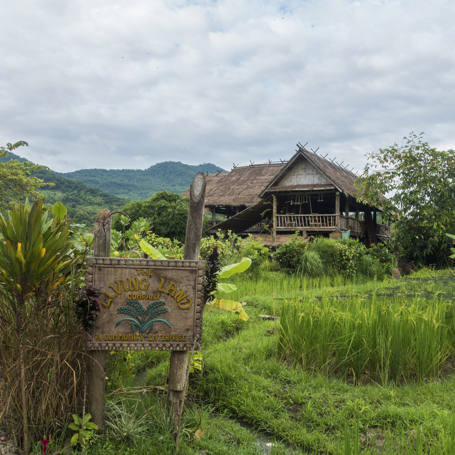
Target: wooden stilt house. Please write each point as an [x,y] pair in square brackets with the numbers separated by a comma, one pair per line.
[309,194]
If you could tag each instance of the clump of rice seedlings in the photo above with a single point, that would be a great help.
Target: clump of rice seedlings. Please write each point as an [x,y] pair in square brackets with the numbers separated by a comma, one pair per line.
[383,337]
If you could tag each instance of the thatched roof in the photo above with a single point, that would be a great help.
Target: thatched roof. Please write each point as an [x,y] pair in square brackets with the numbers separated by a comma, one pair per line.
[241,186]
[248,185]
[340,177]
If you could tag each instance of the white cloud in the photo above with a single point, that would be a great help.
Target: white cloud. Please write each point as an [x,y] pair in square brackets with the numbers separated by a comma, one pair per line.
[122,84]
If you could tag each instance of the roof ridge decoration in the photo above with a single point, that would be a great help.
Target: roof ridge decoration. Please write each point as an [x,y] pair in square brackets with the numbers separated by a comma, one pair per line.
[340,176]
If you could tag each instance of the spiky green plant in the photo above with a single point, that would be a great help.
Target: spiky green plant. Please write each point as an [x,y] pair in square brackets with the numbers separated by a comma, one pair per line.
[142,318]
[34,261]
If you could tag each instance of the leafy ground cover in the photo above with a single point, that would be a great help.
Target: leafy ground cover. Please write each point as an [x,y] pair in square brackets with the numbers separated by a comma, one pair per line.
[242,386]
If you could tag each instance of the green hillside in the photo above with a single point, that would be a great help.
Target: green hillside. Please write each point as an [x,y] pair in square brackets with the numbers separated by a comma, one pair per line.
[136,184]
[82,201]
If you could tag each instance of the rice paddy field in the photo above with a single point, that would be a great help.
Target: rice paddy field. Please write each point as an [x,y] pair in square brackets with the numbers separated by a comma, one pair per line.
[345,367]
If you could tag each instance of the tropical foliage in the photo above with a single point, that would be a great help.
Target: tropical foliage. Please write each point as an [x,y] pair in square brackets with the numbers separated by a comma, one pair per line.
[34,261]
[419,182]
[166,212]
[16,181]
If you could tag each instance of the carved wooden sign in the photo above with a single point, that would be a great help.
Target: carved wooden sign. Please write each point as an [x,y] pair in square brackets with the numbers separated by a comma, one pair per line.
[147,304]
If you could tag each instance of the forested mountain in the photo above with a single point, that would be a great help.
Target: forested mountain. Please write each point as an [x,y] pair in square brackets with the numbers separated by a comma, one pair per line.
[86,192]
[82,201]
[136,184]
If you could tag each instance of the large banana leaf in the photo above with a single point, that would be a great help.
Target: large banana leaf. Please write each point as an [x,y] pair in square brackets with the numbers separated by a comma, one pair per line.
[230,305]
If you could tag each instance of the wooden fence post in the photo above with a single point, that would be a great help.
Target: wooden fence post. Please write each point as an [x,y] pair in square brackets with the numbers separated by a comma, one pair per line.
[97,374]
[179,359]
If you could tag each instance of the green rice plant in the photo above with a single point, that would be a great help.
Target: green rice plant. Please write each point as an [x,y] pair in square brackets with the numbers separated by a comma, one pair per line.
[385,337]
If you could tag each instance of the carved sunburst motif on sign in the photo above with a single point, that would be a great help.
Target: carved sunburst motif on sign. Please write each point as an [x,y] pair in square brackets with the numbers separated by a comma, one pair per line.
[142,318]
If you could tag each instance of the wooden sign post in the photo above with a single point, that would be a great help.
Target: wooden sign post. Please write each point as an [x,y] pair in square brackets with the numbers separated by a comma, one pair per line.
[147,305]
[179,360]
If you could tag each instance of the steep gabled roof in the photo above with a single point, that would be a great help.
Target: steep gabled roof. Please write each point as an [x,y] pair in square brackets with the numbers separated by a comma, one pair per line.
[241,186]
[338,176]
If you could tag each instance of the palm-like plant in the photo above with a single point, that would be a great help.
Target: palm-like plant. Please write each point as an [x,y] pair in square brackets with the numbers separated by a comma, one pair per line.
[142,318]
[34,260]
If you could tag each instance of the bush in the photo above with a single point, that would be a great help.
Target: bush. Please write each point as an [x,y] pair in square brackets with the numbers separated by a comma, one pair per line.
[254,250]
[289,255]
[382,255]
[311,264]
[172,249]
[350,254]
[224,244]
[328,252]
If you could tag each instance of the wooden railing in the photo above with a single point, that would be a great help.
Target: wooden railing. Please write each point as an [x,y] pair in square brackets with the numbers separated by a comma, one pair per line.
[383,231]
[306,222]
[351,224]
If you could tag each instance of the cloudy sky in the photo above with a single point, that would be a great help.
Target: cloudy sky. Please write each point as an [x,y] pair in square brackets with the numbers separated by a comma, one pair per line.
[127,84]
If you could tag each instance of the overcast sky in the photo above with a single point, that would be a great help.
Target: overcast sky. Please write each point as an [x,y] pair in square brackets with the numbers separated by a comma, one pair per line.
[127,84]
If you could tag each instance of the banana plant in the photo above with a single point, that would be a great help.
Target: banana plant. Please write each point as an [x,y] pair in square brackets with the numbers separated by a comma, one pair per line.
[225,304]
[214,272]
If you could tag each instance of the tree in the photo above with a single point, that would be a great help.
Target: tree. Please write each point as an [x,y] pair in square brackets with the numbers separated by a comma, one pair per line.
[16,182]
[167,213]
[420,184]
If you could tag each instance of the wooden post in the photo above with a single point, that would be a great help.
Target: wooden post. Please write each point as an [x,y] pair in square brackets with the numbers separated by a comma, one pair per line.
[97,375]
[274,220]
[346,207]
[213,214]
[179,359]
[337,210]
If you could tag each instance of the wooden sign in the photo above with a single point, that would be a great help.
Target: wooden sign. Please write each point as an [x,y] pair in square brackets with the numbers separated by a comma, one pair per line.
[147,304]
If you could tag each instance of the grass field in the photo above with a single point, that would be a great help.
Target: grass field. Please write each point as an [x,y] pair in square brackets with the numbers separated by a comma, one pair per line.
[279,379]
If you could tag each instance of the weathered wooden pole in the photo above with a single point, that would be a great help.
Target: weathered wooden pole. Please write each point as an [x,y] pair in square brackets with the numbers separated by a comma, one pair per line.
[179,359]
[274,219]
[97,374]
[337,210]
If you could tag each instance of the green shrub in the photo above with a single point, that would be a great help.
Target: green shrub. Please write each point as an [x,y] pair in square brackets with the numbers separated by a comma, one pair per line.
[350,253]
[221,241]
[328,252]
[254,250]
[172,249]
[310,264]
[368,265]
[383,256]
[289,255]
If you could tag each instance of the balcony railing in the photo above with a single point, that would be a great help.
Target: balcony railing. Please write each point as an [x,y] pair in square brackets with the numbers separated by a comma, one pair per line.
[351,224]
[287,222]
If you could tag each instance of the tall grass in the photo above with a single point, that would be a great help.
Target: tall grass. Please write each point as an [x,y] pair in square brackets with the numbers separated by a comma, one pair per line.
[386,339]
[53,370]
